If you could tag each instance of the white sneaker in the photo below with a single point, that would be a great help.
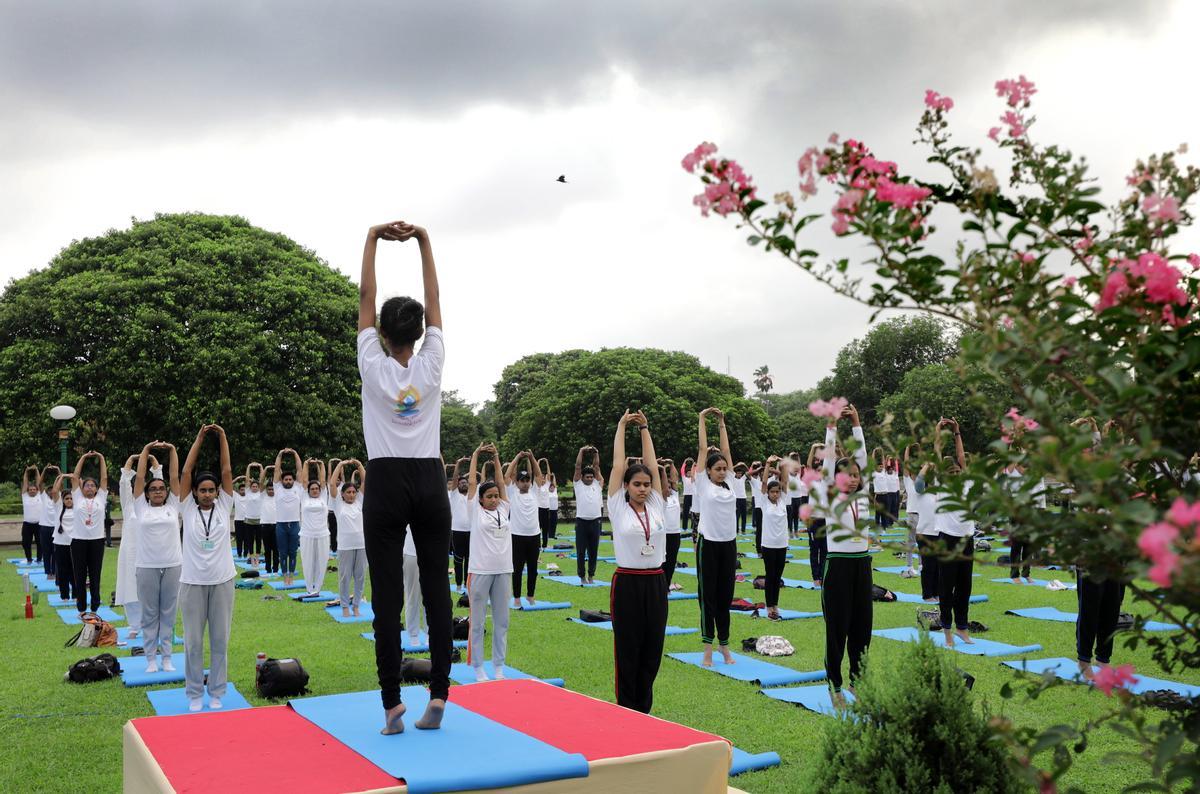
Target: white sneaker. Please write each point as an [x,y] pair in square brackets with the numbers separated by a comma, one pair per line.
[214,703]
[195,704]
[152,666]
[168,665]
[499,674]
[480,675]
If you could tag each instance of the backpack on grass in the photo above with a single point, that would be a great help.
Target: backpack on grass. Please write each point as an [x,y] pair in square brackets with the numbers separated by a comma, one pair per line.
[594,616]
[881,593]
[281,678]
[95,633]
[97,668]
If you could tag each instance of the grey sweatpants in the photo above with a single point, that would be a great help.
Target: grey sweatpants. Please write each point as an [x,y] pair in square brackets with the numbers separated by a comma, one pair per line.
[482,588]
[210,604]
[158,593]
[414,607]
[352,570]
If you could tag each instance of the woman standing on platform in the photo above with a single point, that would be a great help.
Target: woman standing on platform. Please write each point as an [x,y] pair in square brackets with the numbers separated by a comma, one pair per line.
[775,512]
[207,574]
[716,548]
[401,407]
[314,529]
[490,573]
[638,597]
[352,559]
[89,498]
[159,558]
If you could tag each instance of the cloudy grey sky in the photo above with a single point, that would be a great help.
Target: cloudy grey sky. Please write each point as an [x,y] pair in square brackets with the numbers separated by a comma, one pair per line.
[319,119]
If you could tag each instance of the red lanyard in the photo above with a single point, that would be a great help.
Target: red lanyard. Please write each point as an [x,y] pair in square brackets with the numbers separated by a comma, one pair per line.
[643,519]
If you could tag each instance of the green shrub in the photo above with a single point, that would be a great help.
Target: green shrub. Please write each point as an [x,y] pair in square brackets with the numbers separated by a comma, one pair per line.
[914,728]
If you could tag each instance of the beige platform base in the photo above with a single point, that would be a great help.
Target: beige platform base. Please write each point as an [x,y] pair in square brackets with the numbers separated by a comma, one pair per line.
[698,769]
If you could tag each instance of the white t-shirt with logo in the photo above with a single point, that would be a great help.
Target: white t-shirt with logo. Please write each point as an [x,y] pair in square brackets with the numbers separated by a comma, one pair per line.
[401,405]
[629,533]
[89,514]
[287,502]
[158,533]
[587,499]
[350,523]
[314,517]
[717,507]
[491,539]
[207,556]
[523,510]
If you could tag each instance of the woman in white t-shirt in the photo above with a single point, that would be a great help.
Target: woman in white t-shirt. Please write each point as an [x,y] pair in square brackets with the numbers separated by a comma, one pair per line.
[314,529]
[776,509]
[206,574]
[401,410]
[64,524]
[522,488]
[352,556]
[460,523]
[126,593]
[252,507]
[545,522]
[921,513]
[639,590]
[31,513]
[159,559]
[689,491]
[489,579]
[716,548]
[89,498]
[672,515]
[956,533]
[48,521]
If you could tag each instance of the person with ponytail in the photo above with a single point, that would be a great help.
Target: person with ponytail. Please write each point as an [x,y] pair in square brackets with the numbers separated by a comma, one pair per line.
[401,410]
[716,547]
[159,558]
[489,579]
[638,596]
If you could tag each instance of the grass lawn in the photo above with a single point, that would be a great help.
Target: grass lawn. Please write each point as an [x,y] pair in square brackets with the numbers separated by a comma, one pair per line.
[66,737]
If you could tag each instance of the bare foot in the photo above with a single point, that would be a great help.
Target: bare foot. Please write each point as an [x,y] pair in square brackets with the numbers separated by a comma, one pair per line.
[965,636]
[1028,580]
[838,699]
[431,720]
[1016,580]
[345,612]
[707,660]
[532,601]
[1085,670]
[357,614]
[393,721]
[817,582]
[949,638]
[727,654]
[516,603]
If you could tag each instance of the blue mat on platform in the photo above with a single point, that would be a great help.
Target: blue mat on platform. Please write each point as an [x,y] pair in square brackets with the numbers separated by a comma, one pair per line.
[607,626]
[365,608]
[784,614]
[747,668]
[1068,670]
[813,698]
[422,645]
[542,606]
[1036,583]
[1051,613]
[134,674]
[679,595]
[571,580]
[71,617]
[980,647]
[751,762]
[171,702]
[462,673]
[499,756]
[279,585]
[913,598]
[315,598]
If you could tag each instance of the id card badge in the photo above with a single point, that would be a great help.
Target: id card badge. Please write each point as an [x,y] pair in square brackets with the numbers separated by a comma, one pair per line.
[498,533]
[208,545]
[647,550]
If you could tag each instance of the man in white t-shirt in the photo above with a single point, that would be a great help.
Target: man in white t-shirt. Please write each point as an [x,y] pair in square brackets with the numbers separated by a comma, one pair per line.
[589,489]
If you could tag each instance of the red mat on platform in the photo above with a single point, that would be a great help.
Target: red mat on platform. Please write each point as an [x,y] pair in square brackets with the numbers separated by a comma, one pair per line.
[574,723]
[259,749]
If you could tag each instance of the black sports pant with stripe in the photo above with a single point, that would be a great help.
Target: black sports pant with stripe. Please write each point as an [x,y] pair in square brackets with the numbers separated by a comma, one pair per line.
[716,566]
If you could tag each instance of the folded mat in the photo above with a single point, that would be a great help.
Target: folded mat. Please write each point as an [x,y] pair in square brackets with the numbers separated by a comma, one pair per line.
[167,702]
[608,626]
[499,756]
[1035,583]
[572,580]
[1068,670]
[71,617]
[134,674]
[313,598]
[463,673]
[366,614]
[978,647]
[408,646]
[542,606]
[1051,613]
[813,698]
[784,614]
[279,585]
[747,668]
[751,762]
[913,598]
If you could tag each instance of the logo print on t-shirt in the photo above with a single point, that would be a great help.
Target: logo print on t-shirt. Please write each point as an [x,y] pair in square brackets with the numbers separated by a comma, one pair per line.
[408,403]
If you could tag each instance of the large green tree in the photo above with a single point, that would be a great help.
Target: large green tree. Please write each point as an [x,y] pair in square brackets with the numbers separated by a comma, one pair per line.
[462,428]
[153,330]
[589,391]
[951,389]
[798,428]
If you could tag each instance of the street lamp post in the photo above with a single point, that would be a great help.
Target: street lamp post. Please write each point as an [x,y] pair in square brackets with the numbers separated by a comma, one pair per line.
[62,414]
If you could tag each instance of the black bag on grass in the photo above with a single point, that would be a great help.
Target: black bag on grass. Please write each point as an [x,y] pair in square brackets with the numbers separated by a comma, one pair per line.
[282,678]
[418,670]
[461,628]
[464,600]
[249,574]
[1124,622]
[1003,559]
[881,593]
[97,668]
[594,616]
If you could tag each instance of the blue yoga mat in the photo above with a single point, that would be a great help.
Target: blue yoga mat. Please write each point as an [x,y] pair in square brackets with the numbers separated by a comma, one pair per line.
[679,595]
[747,668]
[813,698]
[1036,583]
[462,673]
[892,569]
[750,555]
[913,598]
[45,586]
[136,642]
[802,583]
[542,606]
[608,626]
[784,614]
[751,762]
[58,601]
[1051,613]
[16,560]
[686,570]
[571,580]
[279,585]
[598,559]
[980,647]
[500,756]
[171,702]
[134,674]
[71,617]
[365,608]
[316,598]
[1068,670]
[422,645]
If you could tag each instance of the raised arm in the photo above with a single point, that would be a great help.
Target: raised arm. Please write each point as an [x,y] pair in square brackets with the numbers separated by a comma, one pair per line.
[335,478]
[452,481]
[25,477]
[860,452]
[42,476]
[535,468]
[189,465]
[77,475]
[103,471]
[143,465]
[510,471]
[433,298]
[959,454]
[648,453]
[296,460]
[366,282]
[362,475]
[320,472]
[702,446]
[619,462]
[473,473]
[277,474]
[499,475]
[723,434]
[226,465]
[125,486]
[56,489]
[579,464]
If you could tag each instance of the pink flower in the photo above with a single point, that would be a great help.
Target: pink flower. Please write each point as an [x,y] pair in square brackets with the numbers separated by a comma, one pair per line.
[805,512]
[1184,515]
[902,195]
[993,132]
[1007,322]
[844,210]
[810,476]
[1070,281]
[1018,91]
[936,101]
[1006,438]
[1109,678]
[833,138]
[841,481]
[1016,125]
[831,409]
[1028,257]
[1161,208]
[728,186]
[877,167]
[1163,569]
[1156,539]
[1135,179]
[1194,260]
[694,158]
